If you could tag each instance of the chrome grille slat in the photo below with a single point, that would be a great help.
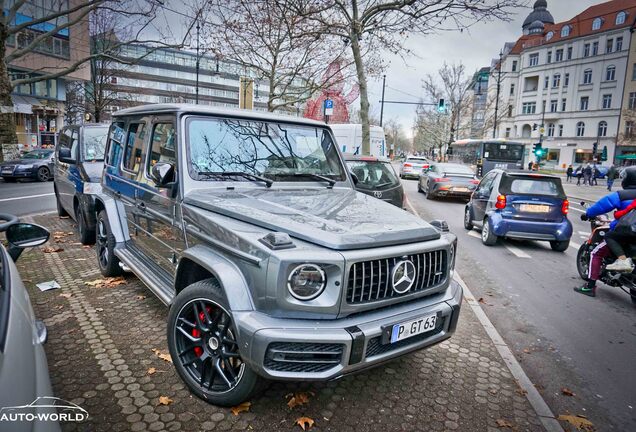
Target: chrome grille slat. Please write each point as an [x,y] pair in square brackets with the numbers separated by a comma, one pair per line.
[375,283]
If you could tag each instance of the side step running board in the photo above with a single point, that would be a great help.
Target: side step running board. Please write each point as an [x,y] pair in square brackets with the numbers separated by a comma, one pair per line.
[156,279]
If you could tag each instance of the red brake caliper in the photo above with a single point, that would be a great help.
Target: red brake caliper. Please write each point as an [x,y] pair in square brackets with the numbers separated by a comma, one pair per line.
[198,351]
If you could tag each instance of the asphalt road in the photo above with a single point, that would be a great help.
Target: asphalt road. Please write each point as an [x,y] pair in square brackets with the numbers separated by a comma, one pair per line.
[561,338]
[26,197]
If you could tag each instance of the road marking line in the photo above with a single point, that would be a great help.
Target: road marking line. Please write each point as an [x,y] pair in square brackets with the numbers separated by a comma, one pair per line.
[26,197]
[517,252]
[532,394]
[472,233]
[574,245]
[583,233]
[578,210]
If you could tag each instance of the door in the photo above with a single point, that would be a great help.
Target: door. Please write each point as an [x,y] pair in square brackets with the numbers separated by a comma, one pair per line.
[66,172]
[482,195]
[162,239]
[130,173]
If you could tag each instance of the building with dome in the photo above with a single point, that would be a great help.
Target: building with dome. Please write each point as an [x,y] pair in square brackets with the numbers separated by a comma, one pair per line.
[563,83]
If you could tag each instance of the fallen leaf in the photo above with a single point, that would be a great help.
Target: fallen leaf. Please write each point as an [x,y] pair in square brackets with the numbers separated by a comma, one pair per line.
[298,398]
[99,309]
[521,391]
[66,295]
[504,424]
[49,249]
[141,297]
[526,350]
[481,300]
[305,422]
[151,371]
[567,392]
[244,407]
[107,283]
[164,400]
[162,355]
[579,422]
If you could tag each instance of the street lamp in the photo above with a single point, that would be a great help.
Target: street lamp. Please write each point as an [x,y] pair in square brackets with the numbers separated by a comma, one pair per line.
[197,65]
[494,130]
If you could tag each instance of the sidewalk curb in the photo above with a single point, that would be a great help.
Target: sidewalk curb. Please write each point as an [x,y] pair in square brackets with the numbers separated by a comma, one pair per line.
[548,420]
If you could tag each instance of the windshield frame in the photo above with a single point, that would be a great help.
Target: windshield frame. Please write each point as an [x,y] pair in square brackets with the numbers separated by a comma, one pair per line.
[187,118]
[83,143]
[363,186]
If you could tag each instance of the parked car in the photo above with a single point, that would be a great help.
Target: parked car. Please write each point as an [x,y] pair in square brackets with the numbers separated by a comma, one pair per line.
[36,164]
[520,206]
[24,373]
[376,177]
[78,167]
[447,180]
[272,264]
[412,166]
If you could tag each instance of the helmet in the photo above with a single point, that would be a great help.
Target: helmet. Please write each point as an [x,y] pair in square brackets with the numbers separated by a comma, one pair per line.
[628,177]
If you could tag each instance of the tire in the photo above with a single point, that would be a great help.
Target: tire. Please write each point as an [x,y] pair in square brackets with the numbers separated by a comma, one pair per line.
[199,312]
[106,259]
[43,174]
[560,246]
[9,179]
[60,210]
[632,293]
[468,221]
[419,187]
[487,236]
[583,261]
[86,235]
[429,195]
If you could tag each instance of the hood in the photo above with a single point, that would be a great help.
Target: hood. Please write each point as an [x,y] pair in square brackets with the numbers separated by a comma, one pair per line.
[26,162]
[93,170]
[338,218]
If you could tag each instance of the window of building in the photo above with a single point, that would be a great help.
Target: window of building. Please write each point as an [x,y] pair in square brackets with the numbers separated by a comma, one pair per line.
[514,65]
[512,89]
[610,73]
[619,44]
[607,101]
[554,105]
[533,60]
[585,103]
[602,129]
[596,24]
[620,18]
[560,130]
[587,76]
[509,110]
[529,107]
[566,80]
[163,145]
[549,36]
[629,129]
[549,57]
[546,82]
[558,55]
[634,72]
[569,53]
[632,101]
[134,147]
[609,45]
[586,50]
[564,103]
[595,48]
[550,129]
[580,129]
[565,31]
[556,80]
[507,132]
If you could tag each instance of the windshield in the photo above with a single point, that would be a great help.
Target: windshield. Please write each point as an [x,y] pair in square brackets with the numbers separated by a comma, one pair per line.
[373,174]
[94,143]
[503,152]
[38,154]
[276,151]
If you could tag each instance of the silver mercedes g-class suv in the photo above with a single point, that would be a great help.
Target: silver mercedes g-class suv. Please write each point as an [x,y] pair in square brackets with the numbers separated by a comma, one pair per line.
[247,225]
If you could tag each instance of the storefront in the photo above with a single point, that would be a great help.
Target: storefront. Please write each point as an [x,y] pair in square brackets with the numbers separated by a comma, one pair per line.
[625,155]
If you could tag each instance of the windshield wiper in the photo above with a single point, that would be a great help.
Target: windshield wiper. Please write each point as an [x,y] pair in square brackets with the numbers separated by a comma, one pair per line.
[248,176]
[314,176]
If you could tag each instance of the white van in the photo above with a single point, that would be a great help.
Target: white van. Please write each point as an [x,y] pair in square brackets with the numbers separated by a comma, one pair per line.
[349,138]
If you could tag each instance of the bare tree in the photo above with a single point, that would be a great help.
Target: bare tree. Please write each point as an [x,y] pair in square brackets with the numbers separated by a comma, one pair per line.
[134,16]
[432,129]
[386,24]
[279,46]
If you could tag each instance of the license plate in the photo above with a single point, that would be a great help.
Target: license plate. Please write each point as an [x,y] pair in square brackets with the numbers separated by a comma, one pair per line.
[460,189]
[412,328]
[534,208]
[7,170]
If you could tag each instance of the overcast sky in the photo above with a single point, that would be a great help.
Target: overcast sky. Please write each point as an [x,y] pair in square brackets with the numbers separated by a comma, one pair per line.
[475,48]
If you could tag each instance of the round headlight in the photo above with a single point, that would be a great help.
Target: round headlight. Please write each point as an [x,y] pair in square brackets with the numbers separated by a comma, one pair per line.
[306,281]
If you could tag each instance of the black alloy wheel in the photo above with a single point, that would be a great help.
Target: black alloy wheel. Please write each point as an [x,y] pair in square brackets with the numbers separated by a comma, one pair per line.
[43,174]
[108,262]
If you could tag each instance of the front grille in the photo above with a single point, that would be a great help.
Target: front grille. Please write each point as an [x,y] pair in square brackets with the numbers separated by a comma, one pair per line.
[302,357]
[375,347]
[370,281]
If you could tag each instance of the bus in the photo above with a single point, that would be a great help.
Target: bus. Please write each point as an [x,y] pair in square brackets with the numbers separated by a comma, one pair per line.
[487,155]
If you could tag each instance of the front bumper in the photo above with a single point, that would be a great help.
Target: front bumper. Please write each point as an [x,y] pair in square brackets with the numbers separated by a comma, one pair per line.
[530,230]
[411,174]
[15,173]
[343,346]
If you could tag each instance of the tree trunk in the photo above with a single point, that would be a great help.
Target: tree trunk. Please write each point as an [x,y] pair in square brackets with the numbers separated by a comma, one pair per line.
[7,117]
[364,97]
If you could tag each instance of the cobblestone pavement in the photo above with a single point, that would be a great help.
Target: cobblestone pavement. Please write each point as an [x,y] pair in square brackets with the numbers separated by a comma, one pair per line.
[102,343]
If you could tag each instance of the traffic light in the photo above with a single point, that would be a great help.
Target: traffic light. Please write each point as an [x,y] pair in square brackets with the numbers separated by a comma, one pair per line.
[537,149]
[594,149]
[604,154]
[441,106]
[534,127]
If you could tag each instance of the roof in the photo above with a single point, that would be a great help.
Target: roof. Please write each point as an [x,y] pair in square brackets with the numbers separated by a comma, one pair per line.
[540,13]
[529,174]
[352,157]
[213,111]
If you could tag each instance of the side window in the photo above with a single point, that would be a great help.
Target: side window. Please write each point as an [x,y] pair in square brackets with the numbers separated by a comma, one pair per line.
[75,143]
[487,182]
[162,145]
[134,147]
[68,139]
[115,143]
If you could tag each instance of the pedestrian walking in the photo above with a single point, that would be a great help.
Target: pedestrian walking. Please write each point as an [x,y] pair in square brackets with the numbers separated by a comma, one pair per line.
[612,173]
[595,175]
[569,173]
[587,175]
[530,164]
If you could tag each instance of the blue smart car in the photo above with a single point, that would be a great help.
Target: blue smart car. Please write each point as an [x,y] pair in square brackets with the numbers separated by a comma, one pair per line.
[521,206]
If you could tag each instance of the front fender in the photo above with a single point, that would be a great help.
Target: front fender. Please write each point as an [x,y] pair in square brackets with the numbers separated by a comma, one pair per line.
[225,271]
[116,216]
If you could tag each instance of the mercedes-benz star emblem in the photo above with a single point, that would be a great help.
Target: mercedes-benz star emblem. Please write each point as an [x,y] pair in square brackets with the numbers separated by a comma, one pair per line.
[377,194]
[403,276]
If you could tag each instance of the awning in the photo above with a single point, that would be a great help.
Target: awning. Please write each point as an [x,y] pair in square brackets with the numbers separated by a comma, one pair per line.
[24,104]
[627,156]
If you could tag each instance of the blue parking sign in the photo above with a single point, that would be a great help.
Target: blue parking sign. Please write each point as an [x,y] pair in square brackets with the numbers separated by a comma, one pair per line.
[328,103]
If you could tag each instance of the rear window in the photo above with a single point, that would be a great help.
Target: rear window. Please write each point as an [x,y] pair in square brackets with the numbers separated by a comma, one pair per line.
[416,160]
[455,169]
[532,186]
[373,174]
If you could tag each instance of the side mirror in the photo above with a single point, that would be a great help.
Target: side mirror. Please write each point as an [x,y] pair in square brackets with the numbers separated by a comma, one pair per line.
[65,155]
[162,174]
[355,179]
[24,235]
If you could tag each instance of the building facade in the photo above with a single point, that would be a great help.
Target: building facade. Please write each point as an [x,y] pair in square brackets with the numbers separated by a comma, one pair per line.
[39,107]
[563,83]
[478,105]
[626,140]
